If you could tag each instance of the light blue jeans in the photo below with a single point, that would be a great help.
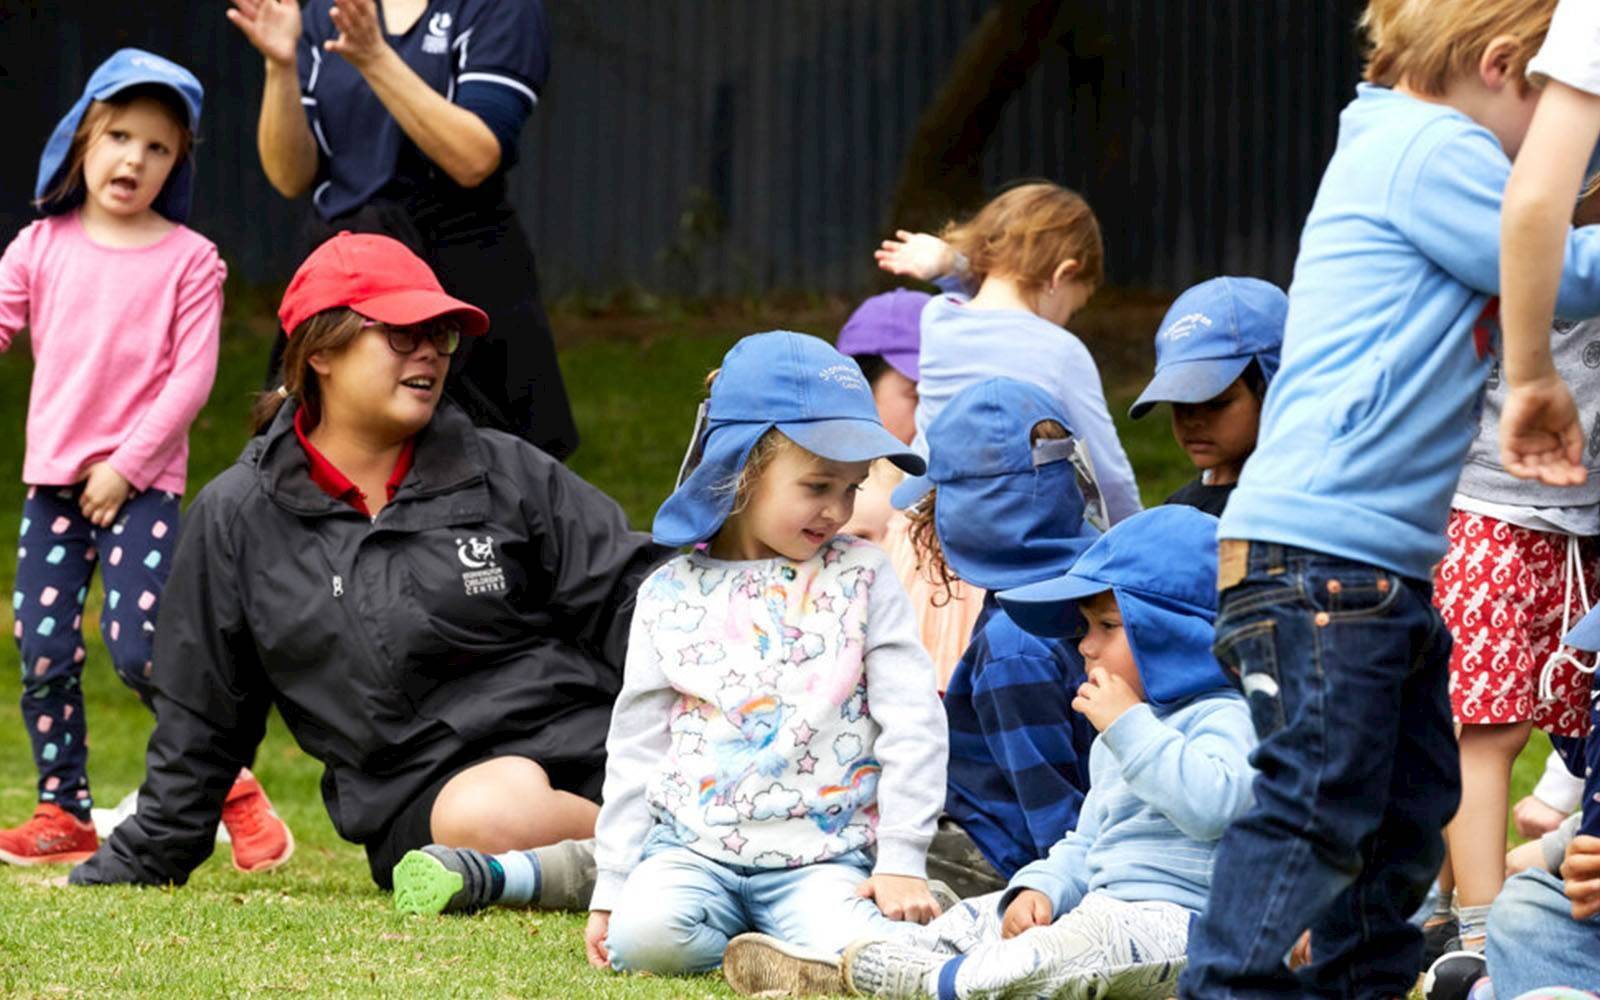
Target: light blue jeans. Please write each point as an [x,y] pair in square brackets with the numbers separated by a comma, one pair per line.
[678,909]
[1535,943]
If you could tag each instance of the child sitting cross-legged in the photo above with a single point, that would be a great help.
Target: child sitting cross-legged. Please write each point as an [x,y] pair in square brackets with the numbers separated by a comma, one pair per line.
[776,757]
[1216,351]
[1108,912]
[1001,506]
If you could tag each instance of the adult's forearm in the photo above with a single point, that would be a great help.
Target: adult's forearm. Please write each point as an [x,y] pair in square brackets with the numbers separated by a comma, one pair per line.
[453,138]
[284,142]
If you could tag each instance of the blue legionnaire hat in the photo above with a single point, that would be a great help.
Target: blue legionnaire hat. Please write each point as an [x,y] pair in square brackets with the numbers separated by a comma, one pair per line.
[1210,336]
[809,392]
[1161,565]
[126,68]
[1008,512]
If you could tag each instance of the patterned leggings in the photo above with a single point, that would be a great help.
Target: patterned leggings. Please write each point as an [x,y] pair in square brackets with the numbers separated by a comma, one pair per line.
[1102,947]
[55,560]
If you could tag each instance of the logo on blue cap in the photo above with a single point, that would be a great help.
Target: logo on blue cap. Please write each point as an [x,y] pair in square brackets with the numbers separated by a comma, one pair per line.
[1210,336]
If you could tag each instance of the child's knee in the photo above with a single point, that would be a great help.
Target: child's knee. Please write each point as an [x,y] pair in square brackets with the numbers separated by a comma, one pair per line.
[1524,904]
[663,941]
[49,653]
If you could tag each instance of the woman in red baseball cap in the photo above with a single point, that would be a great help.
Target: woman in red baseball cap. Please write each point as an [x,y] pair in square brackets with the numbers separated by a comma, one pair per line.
[438,612]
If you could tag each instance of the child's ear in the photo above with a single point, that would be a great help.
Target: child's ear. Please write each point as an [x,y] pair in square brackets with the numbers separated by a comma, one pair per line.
[1494,66]
[319,363]
[1065,271]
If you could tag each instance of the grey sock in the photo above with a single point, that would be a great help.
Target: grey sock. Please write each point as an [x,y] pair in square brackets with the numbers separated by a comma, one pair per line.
[566,875]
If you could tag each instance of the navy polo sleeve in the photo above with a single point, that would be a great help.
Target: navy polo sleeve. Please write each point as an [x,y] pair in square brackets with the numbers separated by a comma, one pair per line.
[502,63]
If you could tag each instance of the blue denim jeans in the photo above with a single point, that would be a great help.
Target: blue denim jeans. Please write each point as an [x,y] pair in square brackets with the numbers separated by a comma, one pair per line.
[1345,666]
[1533,940]
[678,909]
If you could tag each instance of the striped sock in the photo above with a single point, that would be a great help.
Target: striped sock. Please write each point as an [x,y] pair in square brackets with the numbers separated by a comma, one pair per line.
[519,878]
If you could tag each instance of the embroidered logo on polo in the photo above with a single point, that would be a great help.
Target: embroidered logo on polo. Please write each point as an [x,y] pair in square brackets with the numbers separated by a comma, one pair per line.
[843,376]
[1183,326]
[483,574]
[437,40]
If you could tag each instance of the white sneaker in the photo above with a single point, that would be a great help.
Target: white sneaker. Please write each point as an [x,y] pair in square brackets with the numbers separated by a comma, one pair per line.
[106,820]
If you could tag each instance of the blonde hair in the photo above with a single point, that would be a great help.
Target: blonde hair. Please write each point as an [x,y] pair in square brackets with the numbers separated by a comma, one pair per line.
[97,118]
[924,534]
[1026,232]
[329,330]
[1427,43]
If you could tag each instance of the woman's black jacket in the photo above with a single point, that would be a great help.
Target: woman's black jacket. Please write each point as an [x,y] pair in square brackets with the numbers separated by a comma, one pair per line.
[489,599]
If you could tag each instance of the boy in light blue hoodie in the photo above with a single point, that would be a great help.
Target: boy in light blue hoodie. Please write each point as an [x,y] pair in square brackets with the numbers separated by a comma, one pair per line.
[1326,610]
[1107,913]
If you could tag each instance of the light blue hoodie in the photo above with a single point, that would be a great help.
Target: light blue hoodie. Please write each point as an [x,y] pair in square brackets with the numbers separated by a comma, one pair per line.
[1162,789]
[1367,424]
[1170,774]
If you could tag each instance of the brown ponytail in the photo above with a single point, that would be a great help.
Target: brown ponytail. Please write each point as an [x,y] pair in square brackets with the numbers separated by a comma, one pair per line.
[330,330]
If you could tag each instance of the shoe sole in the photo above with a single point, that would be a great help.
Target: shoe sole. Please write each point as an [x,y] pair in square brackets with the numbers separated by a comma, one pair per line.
[423,885]
[759,965]
[65,858]
[270,863]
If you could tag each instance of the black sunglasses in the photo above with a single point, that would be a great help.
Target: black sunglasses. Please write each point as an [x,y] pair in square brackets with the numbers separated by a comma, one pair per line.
[405,339]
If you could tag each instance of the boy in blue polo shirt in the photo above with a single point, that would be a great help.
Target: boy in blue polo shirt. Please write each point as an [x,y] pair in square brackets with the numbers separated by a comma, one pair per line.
[1216,351]
[1326,616]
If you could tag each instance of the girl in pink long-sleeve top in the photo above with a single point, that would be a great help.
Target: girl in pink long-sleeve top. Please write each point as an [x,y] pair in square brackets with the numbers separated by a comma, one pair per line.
[123,306]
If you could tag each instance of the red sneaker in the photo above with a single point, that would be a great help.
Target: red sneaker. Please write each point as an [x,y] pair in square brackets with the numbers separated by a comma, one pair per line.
[52,837]
[261,841]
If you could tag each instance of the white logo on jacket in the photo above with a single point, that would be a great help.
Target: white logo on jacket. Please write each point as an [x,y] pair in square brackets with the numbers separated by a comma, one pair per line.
[483,575]
[437,41]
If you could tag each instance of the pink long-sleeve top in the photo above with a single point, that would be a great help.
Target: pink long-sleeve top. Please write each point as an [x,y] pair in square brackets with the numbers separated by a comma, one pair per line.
[124,346]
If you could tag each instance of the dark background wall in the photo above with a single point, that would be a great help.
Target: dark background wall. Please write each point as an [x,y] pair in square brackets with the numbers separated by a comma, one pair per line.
[737,147]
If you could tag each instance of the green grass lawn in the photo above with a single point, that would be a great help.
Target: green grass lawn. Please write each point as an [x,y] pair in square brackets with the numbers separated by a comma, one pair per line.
[318,927]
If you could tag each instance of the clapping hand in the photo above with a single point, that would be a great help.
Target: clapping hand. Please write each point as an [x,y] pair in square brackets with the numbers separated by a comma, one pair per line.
[272,26]
[360,31]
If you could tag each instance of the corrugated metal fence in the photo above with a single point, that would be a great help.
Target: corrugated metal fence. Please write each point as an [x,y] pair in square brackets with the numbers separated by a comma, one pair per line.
[733,147]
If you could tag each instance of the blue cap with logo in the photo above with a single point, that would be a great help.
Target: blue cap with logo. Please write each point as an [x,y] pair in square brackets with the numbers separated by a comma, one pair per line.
[1210,335]
[126,68]
[1008,511]
[1161,565]
[791,382]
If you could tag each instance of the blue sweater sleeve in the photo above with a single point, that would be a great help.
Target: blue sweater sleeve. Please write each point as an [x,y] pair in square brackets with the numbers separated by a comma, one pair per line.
[1063,874]
[1446,200]
[1198,778]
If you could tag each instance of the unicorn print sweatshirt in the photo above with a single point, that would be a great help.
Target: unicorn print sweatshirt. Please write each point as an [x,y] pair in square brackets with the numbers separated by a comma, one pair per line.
[773,714]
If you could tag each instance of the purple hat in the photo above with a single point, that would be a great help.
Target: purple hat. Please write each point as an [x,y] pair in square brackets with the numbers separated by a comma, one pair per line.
[890,326]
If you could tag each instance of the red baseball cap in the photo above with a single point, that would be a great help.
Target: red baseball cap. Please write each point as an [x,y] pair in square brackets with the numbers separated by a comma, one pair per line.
[376,276]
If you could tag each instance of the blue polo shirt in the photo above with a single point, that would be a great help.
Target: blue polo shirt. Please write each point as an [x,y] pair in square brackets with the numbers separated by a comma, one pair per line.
[491,57]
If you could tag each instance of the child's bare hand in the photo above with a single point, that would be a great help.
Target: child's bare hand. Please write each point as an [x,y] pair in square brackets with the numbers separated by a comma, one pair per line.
[923,256]
[594,938]
[1581,872]
[1540,434]
[1103,698]
[901,897]
[1534,818]
[104,493]
[360,38]
[1030,908]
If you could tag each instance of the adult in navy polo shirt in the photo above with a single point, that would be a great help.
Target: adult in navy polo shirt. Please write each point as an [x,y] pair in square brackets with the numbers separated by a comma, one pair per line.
[401,117]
